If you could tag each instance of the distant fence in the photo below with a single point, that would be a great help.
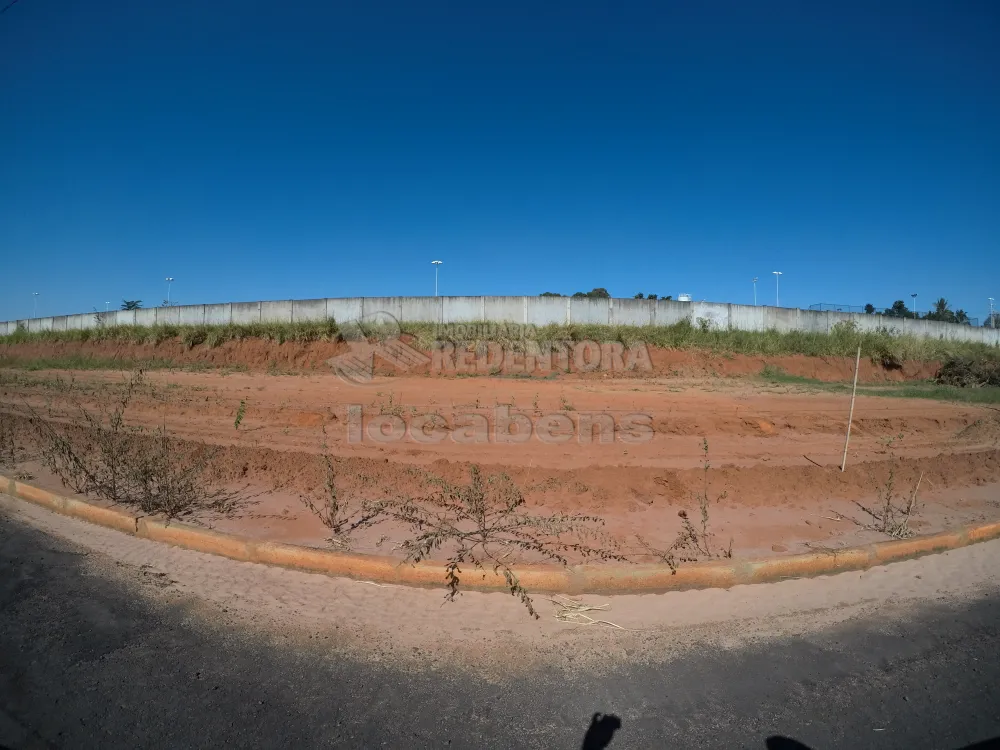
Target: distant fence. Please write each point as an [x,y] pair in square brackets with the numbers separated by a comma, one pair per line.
[831,306]
[527,310]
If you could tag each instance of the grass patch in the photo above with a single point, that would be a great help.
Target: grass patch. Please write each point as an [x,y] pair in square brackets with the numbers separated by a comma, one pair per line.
[90,362]
[84,362]
[191,335]
[774,374]
[928,390]
[883,347]
[936,392]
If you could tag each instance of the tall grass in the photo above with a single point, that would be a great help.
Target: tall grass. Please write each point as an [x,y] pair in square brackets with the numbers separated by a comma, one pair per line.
[881,346]
[191,335]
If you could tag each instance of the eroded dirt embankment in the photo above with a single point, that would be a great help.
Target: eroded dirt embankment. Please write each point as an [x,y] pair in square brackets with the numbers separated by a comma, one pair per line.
[259,355]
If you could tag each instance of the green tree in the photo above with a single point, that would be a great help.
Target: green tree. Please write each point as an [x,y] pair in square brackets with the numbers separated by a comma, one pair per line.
[550,294]
[941,312]
[131,304]
[898,310]
[651,296]
[638,296]
[962,317]
[599,291]
[870,309]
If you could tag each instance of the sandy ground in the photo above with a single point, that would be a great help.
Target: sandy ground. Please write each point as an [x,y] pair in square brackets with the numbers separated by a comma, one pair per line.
[491,634]
[774,451]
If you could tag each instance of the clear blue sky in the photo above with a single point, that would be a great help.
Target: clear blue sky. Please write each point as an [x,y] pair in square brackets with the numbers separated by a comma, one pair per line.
[273,150]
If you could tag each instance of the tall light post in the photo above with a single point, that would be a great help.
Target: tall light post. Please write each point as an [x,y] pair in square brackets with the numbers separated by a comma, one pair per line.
[34,307]
[436,264]
[914,297]
[755,291]
[169,280]
[106,306]
[777,277]
[993,323]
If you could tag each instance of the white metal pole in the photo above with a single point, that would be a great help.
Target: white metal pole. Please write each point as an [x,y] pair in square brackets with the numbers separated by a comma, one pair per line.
[755,291]
[850,418]
[34,307]
[436,263]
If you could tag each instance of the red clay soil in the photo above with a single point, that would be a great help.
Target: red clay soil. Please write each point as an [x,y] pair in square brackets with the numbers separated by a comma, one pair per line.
[261,355]
[775,452]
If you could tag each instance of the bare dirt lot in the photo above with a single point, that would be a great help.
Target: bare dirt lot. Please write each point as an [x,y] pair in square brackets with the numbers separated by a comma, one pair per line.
[629,450]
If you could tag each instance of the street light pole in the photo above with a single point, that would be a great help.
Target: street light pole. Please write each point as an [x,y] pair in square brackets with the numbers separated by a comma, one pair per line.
[436,264]
[169,279]
[34,308]
[993,323]
[755,291]
[106,306]
[915,313]
[777,277]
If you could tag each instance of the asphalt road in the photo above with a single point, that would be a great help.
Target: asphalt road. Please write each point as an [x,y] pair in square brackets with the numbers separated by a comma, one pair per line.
[85,662]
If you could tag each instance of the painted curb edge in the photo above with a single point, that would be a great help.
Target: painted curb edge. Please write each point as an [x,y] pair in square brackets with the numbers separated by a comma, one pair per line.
[573,579]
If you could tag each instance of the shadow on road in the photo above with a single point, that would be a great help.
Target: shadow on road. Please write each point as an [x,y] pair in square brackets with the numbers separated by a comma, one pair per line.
[601,731]
[786,743]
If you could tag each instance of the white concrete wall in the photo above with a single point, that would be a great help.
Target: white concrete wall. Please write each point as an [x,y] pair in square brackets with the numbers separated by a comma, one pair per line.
[535,310]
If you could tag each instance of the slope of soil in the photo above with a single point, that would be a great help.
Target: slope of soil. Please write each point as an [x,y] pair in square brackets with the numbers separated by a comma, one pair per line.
[263,355]
[774,452]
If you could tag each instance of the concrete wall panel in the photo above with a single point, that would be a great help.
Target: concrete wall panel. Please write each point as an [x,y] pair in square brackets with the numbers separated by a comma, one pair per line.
[632,312]
[124,318]
[168,316]
[382,310]
[218,315]
[714,315]
[589,310]
[503,309]
[466,309]
[309,310]
[670,312]
[146,316]
[543,311]
[190,314]
[746,318]
[244,313]
[344,309]
[279,311]
[421,309]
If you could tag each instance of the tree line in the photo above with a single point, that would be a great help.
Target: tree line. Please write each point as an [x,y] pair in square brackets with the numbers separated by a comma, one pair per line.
[942,312]
[603,293]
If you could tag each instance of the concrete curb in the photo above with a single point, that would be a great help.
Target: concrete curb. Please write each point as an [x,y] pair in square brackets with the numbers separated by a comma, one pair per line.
[574,579]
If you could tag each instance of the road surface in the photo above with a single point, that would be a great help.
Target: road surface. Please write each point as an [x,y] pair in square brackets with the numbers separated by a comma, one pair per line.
[98,650]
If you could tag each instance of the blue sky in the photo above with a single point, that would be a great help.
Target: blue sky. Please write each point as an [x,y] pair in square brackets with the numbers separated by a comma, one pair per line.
[273,150]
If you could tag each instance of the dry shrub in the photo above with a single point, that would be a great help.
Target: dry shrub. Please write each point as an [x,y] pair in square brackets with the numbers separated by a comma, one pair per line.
[693,542]
[969,372]
[100,454]
[480,525]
